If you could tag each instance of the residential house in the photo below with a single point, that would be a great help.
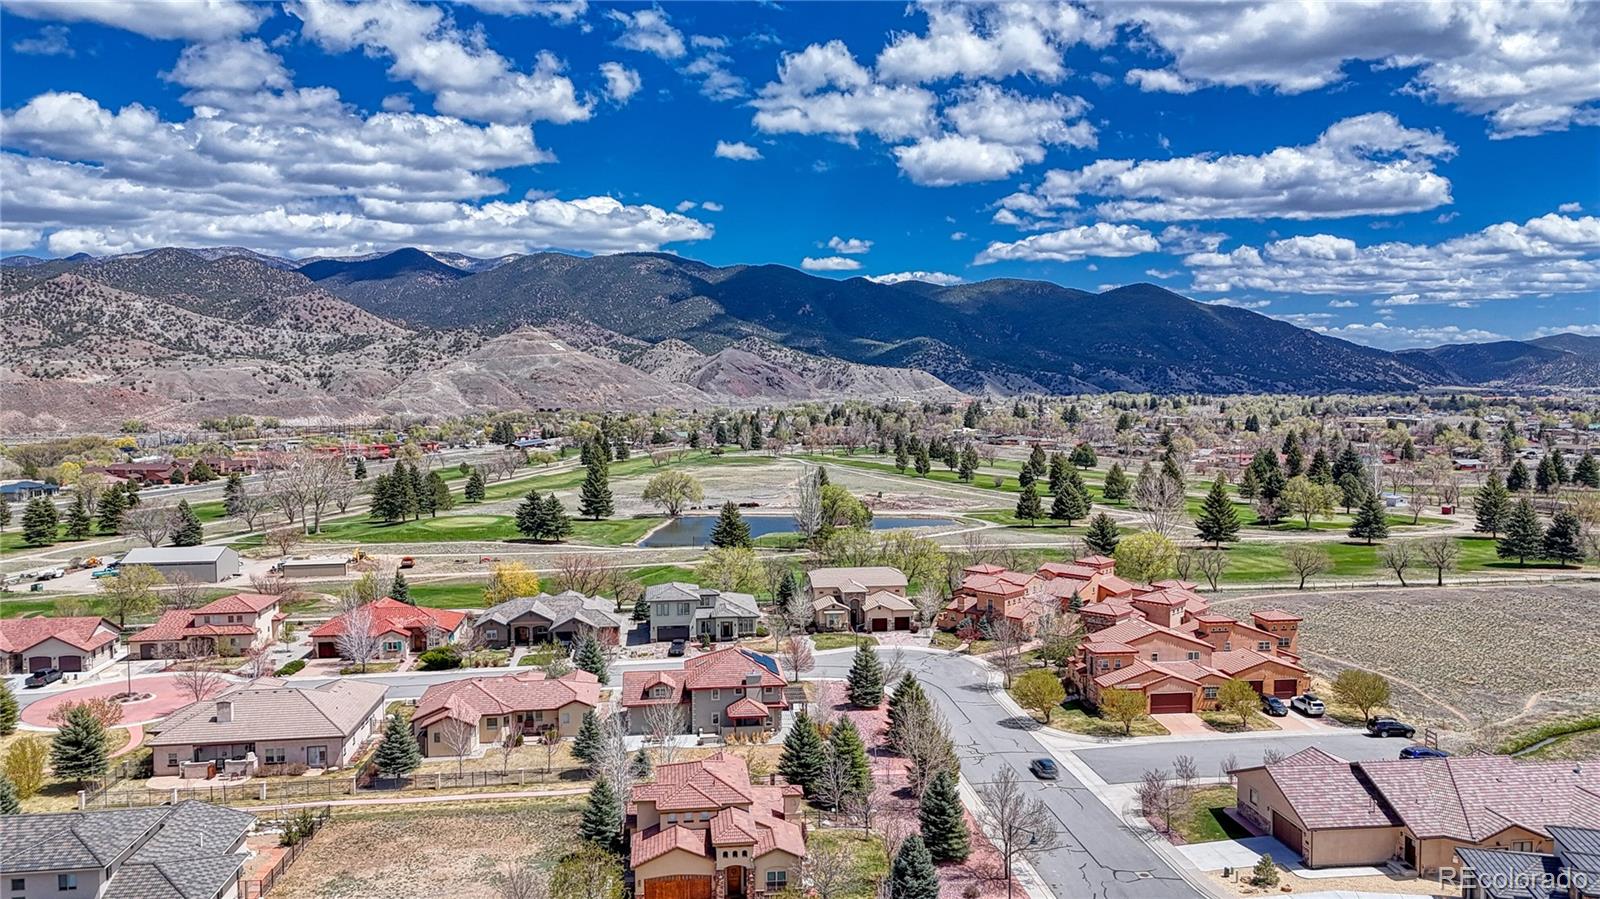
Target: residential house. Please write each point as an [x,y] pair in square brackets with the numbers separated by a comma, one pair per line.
[191,850]
[230,625]
[1419,813]
[268,722]
[21,490]
[854,587]
[201,564]
[1570,870]
[491,707]
[567,618]
[829,614]
[81,643]
[990,593]
[701,829]
[401,629]
[680,611]
[728,691]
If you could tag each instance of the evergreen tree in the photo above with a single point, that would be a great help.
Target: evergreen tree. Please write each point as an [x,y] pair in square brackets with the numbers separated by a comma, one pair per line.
[1545,477]
[1218,520]
[1563,540]
[1083,456]
[1025,477]
[187,531]
[591,658]
[865,683]
[921,462]
[1408,450]
[1248,485]
[1116,486]
[788,597]
[590,743]
[40,524]
[10,804]
[902,459]
[1349,462]
[1352,490]
[557,526]
[1558,465]
[846,747]
[530,516]
[1294,459]
[79,750]
[594,497]
[9,712]
[1493,504]
[1102,535]
[1029,508]
[474,491]
[642,768]
[1038,463]
[731,530]
[602,817]
[5,516]
[969,464]
[905,702]
[112,505]
[1320,471]
[641,608]
[1058,472]
[201,473]
[398,754]
[1372,520]
[944,827]
[233,495]
[79,524]
[439,498]
[803,754]
[1517,477]
[913,875]
[360,472]
[1068,505]
[1587,472]
[1523,537]
[400,590]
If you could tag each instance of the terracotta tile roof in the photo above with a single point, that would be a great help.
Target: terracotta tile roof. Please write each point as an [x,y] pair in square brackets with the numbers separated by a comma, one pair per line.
[649,847]
[1161,597]
[1237,661]
[733,827]
[731,667]
[1214,618]
[1174,584]
[1068,570]
[982,568]
[1328,793]
[1275,615]
[238,604]
[747,708]
[635,684]
[1474,797]
[1106,647]
[475,698]
[86,632]
[716,781]
[178,624]
[883,599]
[1113,608]
[1097,560]
[390,616]
[1134,630]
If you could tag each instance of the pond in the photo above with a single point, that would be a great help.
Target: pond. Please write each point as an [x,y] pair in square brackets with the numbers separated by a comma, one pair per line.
[695,530]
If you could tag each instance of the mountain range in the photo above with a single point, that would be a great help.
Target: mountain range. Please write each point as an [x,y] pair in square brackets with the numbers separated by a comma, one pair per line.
[175,335]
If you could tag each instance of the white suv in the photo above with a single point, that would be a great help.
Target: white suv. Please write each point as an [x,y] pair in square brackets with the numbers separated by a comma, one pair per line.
[1308,705]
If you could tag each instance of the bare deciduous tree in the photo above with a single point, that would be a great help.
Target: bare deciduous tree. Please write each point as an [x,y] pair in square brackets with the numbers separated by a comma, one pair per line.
[797,656]
[521,880]
[150,523]
[181,592]
[663,722]
[1211,563]
[586,573]
[1440,554]
[1157,798]
[507,747]
[1009,637]
[1159,501]
[929,603]
[196,681]
[1399,556]
[285,539]
[258,661]
[830,869]
[1307,561]
[460,739]
[357,643]
[1019,825]
[808,505]
[616,762]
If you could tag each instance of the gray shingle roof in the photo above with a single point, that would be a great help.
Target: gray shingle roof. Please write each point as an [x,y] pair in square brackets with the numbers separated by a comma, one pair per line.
[173,555]
[558,610]
[74,840]
[190,878]
[269,709]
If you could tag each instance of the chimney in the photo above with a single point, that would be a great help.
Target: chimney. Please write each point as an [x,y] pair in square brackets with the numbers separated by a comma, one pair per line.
[752,678]
[224,711]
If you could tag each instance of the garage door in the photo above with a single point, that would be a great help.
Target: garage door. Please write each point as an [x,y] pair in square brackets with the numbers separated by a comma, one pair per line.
[1283,688]
[902,623]
[71,663]
[39,663]
[1286,833]
[1258,686]
[880,624]
[328,650]
[681,886]
[1161,703]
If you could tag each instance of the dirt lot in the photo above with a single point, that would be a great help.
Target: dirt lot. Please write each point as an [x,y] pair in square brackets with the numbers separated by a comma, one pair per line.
[429,851]
[1471,660]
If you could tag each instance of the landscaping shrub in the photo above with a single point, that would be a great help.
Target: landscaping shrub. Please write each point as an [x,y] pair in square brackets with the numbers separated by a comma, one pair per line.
[291,667]
[439,658]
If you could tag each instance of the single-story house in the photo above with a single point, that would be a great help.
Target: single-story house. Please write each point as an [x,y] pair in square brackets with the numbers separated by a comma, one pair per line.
[402,629]
[490,707]
[201,564]
[567,617]
[315,567]
[1417,812]
[680,611]
[269,722]
[191,850]
[1570,870]
[21,490]
[228,625]
[81,643]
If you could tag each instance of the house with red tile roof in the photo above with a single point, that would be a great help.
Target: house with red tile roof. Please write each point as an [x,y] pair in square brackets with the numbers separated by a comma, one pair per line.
[229,625]
[525,703]
[729,691]
[989,593]
[402,629]
[81,643]
[703,830]
[1417,812]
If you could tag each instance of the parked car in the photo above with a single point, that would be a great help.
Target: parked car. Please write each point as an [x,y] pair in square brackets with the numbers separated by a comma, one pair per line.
[48,574]
[1423,752]
[1383,726]
[408,562]
[42,677]
[1044,769]
[1309,705]
[108,571]
[1273,706]
[677,648]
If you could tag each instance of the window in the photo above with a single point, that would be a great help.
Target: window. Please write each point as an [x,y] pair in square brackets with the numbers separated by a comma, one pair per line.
[274,755]
[172,760]
[1209,692]
[738,691]
[716,694]
[435,736]
[66,881]
[716,718]
[492,633]
[1252,795]
[672,818]
[1227,645]
[683,608]
[1283,642]
[1194,656]
[777,879]
[1105,665]
[1118,664]
[494,723]
[1521,845]
[1264,645]
[19,884]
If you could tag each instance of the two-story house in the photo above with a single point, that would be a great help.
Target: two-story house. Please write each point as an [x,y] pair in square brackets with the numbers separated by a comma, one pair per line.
[229,625]
[727,692]
[680,611]
[990,593]
[702,830]
[870,597]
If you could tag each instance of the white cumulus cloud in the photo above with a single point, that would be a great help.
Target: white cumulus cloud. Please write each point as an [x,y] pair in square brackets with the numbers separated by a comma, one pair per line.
[943,279]
[736,150]
[1073,244]
[830,264]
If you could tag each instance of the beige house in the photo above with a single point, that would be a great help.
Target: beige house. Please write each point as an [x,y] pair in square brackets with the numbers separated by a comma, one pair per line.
[268,722]
[490,707]
[702,830]
[1417,812]
[733,691]
[230,625]
[851,587]
[81,643]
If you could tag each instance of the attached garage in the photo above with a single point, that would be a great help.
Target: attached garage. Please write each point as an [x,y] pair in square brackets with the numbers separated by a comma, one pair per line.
[902,623]
[327,649]
[1258,686]
[1287,833]
[1171,703]
[39,663]
[1285,687]
[678,886]
[71,663]
[880,624]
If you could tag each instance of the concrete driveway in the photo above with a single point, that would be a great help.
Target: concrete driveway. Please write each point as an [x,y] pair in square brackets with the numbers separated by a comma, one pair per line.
[1126,763]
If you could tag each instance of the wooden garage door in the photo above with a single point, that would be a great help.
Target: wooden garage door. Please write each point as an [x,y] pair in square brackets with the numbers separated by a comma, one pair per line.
[38,663]
[1171,702]
[902,623]
[880,624]
[1284,687]
[1286,833]
[1258,686]
[678,886]
[71,663]
[328,650]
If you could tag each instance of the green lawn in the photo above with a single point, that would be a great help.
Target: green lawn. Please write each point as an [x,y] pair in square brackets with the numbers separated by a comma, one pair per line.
[651,575]
[1207,821]
[1006,518]
[454,528]
[1074,718]
[449,595]
[1262,562]
[842,640]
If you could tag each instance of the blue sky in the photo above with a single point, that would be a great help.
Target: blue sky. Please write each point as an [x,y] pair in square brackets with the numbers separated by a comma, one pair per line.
[1394,174]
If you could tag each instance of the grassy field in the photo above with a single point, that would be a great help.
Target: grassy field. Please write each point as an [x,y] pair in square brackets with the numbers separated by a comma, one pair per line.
[1205,820]
[1074,718]
[842,640]
[1264,562]
[469,528]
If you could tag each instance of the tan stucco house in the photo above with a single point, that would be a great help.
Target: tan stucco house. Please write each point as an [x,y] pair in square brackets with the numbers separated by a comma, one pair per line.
[229,625]
[268,722]
[80,643]
[490,707]
[726,692]
[851,588]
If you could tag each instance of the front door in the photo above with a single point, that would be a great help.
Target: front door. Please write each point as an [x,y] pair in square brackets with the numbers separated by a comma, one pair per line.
[727,630]
[735,878]
[1410,851]
[316,756]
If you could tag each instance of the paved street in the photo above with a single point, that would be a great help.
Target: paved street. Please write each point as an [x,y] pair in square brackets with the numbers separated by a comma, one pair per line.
[1123,764]
[1101,856]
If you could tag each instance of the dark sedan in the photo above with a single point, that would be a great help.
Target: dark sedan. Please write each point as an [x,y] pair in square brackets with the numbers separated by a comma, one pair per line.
[1044,769]
[1273,706]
